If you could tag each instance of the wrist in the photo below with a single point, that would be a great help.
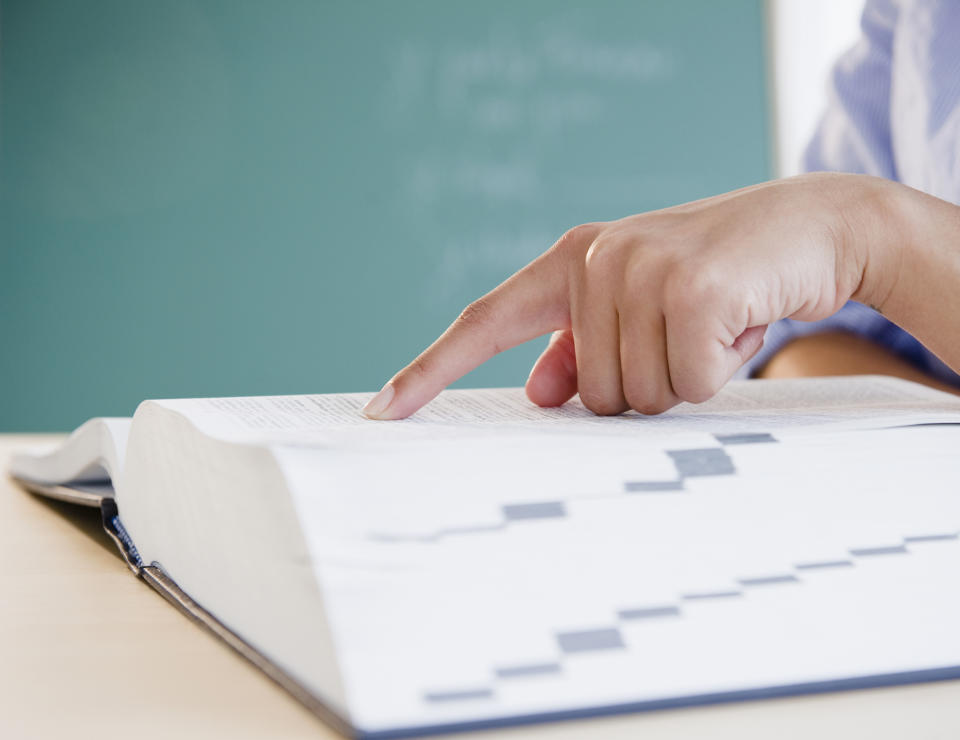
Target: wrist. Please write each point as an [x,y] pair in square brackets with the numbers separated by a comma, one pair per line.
[880,224]
[914,253]
[912,272]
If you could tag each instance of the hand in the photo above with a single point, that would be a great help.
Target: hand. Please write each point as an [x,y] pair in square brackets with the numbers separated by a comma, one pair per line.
[664,307]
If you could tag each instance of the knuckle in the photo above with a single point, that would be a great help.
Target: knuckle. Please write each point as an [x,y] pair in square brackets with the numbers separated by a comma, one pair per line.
[696,385]
[705,284]
[600,404]
[575,241]
[577,235]
[603,256]
[476,315]
[695,389]
[646,403]
[690,287]
[653,408]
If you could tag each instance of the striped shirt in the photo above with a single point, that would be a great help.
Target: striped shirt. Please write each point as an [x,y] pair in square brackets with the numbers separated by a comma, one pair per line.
[893,111]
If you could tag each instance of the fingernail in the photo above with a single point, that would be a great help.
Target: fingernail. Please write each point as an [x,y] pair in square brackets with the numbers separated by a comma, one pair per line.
[377,405]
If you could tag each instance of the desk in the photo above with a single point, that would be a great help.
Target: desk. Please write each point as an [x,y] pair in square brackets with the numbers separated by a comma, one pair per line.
[87,649]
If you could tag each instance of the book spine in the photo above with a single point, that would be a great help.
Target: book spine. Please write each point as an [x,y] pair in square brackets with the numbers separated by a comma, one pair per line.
[114,527]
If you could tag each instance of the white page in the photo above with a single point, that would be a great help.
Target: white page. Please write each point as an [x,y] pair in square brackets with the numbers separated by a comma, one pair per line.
[450,550]
[463,553]
[425,619]
[93,453]
[766,405]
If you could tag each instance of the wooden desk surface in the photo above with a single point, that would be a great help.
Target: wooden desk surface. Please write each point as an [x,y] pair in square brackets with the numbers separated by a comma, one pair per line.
[85,648]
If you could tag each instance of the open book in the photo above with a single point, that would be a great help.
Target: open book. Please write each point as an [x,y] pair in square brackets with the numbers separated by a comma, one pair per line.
[488,562]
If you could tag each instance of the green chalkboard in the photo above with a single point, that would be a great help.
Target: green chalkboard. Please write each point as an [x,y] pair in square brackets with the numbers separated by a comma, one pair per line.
[224,197]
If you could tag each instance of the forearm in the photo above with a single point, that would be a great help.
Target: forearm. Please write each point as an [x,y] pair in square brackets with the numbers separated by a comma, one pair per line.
[912,266]
[842,353]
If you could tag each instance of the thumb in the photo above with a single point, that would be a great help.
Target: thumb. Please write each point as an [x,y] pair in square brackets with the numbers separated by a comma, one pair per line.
[553,379]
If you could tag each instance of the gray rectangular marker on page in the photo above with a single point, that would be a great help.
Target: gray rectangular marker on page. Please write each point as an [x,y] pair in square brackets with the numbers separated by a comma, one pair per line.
[536,510]
[824,564]
[460,695]
[649,612]
[744,439]
[704,595]
[930,537]
[588,640]
[702,462]
[652,486]
[531,669]
[861,552]
[768,580]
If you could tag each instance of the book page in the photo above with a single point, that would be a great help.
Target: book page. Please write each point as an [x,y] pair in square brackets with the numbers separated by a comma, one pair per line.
[92,454]
[509,575]
[764,405]
[489,559]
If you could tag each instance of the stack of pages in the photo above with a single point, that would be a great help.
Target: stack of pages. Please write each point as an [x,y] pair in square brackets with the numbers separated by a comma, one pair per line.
[489,562]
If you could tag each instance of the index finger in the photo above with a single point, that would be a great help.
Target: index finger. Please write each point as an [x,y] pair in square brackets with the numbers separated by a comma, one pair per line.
[532,302]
